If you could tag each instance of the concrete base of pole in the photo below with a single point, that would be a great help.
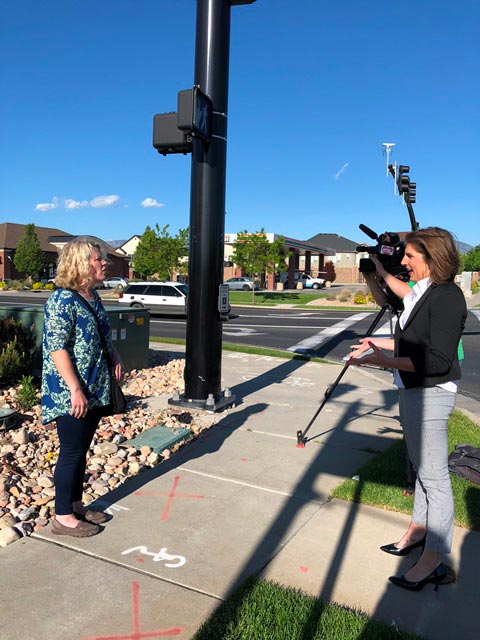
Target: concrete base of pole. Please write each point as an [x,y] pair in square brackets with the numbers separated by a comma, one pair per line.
[211,404]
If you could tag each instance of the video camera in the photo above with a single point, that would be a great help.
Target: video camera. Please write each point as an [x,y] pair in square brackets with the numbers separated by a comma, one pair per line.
[389,250]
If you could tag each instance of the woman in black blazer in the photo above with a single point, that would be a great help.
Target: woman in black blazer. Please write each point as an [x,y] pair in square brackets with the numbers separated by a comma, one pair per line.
[426,371]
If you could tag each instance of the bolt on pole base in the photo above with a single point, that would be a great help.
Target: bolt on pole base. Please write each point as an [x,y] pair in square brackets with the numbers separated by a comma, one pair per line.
[210,404]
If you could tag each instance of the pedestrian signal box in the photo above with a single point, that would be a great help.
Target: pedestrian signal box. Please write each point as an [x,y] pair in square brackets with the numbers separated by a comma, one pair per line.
[167,137]
[195,113]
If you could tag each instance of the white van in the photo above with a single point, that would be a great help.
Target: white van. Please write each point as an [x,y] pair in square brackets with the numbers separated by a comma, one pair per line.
[158,297]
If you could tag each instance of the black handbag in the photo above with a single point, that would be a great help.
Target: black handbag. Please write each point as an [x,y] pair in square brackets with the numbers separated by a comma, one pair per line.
[118,402]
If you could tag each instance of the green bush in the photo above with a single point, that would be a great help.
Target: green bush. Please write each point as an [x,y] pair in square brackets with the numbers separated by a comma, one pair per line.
[49,286]
[17,285]
[344,297]
[370,298]
[3,285]
[37,286]
[475,288]
[27,394]
[359,298]
[17,348]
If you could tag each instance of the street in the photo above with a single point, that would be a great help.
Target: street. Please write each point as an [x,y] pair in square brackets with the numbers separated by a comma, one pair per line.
[322,333]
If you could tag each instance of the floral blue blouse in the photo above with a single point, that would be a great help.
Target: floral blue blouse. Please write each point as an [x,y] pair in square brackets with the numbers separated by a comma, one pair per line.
[70,325]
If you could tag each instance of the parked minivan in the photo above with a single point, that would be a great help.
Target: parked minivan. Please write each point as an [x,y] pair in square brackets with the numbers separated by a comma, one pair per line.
[158,297]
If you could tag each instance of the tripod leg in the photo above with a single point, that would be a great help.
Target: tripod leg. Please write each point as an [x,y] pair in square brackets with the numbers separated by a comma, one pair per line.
[301,434]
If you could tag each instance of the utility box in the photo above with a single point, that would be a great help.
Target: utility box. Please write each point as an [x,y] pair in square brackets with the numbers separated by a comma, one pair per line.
[130,332]
[130,335]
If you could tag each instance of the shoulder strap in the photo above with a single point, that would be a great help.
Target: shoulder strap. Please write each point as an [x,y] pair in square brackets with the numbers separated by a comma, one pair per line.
[87,305]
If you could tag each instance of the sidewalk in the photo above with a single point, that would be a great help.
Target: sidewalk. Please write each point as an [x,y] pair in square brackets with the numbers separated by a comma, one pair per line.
[241,499]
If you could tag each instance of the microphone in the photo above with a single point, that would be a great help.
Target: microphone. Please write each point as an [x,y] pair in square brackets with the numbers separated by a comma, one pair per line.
[368,231]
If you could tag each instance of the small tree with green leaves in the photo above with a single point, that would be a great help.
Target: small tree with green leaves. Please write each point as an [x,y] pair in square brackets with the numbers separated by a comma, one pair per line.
[471,260]
[145,256]
[253,253]
[171,251]
[29,257]
[158,252]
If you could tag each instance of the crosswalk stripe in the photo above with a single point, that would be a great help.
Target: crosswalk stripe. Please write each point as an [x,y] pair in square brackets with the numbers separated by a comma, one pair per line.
[313,342]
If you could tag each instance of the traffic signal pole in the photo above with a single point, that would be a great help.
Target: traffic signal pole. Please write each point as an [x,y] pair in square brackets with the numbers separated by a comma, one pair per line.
[207,214]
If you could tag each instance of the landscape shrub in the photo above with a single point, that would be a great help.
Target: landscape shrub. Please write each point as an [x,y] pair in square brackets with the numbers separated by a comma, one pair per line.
[37,286]
[17,348]
[17,285]
[475,288]
[370,298]
[3,285]
[344,297]
[49,286]
[359,298]
[27,394]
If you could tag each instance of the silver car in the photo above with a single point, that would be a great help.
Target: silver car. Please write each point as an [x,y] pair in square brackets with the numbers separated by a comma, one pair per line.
[241,284]
[115,282]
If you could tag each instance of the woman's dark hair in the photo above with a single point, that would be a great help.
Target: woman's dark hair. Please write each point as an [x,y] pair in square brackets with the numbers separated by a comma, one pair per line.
[438,248]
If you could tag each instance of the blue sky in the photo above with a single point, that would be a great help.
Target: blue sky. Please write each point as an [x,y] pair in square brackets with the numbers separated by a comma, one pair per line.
[315,89]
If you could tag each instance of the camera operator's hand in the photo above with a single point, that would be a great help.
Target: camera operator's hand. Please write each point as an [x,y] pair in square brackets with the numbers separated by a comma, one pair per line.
[379,268]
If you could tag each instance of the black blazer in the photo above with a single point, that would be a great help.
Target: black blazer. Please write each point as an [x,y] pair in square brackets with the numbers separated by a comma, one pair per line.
[431,335]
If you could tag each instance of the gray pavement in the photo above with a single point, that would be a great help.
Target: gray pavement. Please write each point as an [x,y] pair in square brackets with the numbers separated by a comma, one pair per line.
[241,499]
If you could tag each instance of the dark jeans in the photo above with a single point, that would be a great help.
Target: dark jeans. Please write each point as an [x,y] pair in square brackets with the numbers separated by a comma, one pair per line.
[75,435]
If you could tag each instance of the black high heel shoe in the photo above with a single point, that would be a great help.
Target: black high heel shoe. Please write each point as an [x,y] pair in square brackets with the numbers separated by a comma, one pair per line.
[404,551]
[439,576]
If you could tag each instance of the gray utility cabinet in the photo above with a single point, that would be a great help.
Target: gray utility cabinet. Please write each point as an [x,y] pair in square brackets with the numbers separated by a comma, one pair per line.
[130,332]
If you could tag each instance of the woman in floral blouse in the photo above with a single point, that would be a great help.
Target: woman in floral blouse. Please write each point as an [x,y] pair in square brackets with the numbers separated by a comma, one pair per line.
[75,377]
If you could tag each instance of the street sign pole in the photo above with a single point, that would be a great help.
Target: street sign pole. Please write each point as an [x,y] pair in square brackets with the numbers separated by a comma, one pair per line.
[207,214]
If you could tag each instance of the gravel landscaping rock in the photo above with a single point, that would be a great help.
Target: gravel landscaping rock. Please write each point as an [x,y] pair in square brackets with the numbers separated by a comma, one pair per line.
[29,450]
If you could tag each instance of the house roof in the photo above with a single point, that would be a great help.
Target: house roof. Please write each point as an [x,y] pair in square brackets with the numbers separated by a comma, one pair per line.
[309,245]
[339,243]
[51,240]
[11,233]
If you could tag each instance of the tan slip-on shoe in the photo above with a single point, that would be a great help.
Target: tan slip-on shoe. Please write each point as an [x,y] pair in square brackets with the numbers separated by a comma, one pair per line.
[82,530]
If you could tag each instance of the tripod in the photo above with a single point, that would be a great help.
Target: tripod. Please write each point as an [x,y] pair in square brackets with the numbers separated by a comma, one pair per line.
[301,440]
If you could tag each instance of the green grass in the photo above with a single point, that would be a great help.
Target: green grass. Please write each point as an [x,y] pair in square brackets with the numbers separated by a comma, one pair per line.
[258,351]
[261,610]
[382,479]
[272,298]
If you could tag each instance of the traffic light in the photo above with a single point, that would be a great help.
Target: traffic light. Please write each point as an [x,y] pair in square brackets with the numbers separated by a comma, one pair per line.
[403,181]
[412,193]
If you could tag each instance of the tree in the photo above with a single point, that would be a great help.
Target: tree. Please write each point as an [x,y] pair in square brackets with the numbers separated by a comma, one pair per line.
[253,253]
[171,250]
[145,256]
[29,257]
[471,260]
[160,253]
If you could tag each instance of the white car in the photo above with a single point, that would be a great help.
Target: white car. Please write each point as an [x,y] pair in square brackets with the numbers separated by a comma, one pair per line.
[309,282]
[158,297]
[115,282]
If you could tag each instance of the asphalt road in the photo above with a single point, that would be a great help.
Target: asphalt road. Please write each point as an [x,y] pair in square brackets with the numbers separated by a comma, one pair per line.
[323,333]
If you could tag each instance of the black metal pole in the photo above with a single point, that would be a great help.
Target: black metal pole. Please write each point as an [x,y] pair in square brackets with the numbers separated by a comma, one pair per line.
[207,206]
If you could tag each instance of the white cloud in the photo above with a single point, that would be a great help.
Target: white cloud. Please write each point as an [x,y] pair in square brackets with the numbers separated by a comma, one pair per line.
[47,206]
[99,202]
[339,173]
[151,202]
[68,203]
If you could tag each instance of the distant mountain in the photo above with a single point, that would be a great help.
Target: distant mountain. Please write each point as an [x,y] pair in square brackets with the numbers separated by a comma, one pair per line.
[463,247]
